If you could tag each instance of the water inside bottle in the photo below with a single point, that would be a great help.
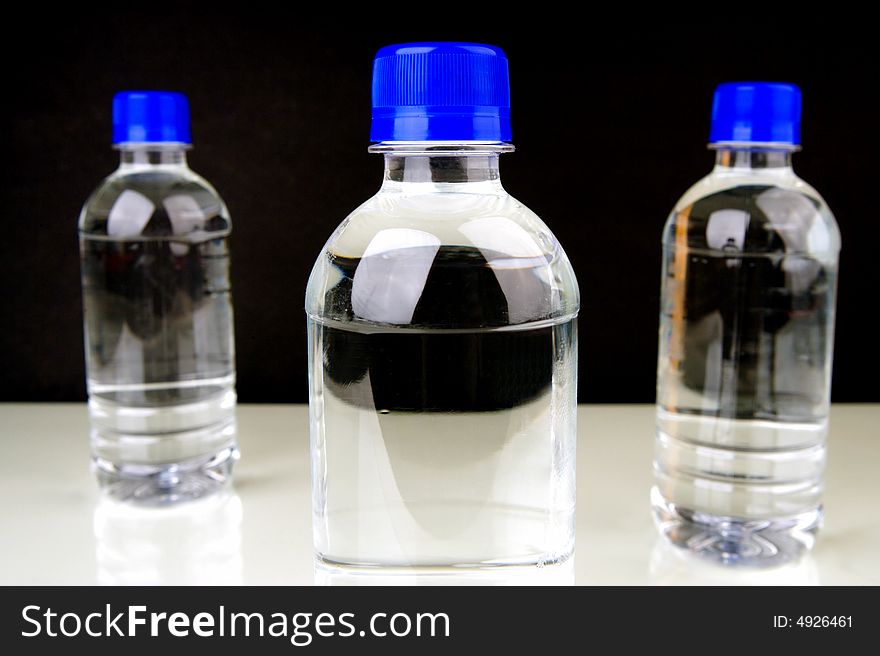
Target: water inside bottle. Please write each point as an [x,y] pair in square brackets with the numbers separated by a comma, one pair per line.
[746,337]
[444,446]
[159,342]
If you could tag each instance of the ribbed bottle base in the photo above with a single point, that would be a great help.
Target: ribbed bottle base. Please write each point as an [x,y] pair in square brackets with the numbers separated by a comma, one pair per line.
[735,540]
[163,484]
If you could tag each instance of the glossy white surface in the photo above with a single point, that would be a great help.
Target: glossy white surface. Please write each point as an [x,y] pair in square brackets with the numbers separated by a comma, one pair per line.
[57,530]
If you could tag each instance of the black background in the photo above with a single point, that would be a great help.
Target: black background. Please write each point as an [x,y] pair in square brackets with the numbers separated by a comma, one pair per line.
[610,121]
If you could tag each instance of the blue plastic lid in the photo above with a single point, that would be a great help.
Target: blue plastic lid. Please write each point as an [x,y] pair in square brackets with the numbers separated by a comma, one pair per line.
[756,112]
[150,117]
[440,91]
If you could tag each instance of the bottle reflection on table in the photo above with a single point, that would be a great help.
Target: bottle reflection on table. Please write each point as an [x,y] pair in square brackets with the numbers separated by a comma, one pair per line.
[195,543]
[671,565]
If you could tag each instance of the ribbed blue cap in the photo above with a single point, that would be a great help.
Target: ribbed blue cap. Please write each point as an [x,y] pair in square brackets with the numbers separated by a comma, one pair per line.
[756,112]
[440,91]
[150,117]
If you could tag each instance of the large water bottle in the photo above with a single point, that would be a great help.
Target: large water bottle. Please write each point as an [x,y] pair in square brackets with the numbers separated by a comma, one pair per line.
[442,338]
[158,313]
[749,271]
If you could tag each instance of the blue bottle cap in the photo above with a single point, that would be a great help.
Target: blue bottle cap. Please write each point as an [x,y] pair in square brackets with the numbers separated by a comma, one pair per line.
[440,91]
[150,117]
[756,112]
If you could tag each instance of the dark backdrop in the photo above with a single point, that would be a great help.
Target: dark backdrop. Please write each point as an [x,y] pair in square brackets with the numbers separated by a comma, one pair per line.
[610,122]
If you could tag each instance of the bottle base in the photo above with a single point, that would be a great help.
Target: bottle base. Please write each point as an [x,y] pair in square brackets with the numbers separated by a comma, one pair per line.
[736,540]
[166,483]
[512,567]
[557,573]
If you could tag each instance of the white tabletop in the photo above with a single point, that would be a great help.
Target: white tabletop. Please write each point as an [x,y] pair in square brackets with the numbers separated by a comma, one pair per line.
[58,530]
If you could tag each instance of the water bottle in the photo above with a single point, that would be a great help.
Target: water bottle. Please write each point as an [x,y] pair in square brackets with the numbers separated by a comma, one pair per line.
[442,340]
[746,332]
[157,313]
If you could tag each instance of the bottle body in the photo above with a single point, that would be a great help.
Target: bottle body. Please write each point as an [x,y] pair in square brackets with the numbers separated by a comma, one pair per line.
[158,330]
[750,260]
[443,359]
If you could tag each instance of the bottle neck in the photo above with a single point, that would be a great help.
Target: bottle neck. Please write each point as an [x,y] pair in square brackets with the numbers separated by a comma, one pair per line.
[152,154]
[743,159]
[454,167]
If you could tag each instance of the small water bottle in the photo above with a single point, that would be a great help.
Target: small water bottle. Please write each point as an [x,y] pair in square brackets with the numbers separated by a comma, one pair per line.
[442,340]
[157,313]
[746,332]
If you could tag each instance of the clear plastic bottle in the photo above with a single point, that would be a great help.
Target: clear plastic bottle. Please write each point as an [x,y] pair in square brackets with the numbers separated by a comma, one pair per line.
[749,275]
[158,313]
[442,340]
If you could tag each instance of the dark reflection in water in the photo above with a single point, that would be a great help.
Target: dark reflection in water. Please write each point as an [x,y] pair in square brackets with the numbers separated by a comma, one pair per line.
[754,330]
[436,370]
